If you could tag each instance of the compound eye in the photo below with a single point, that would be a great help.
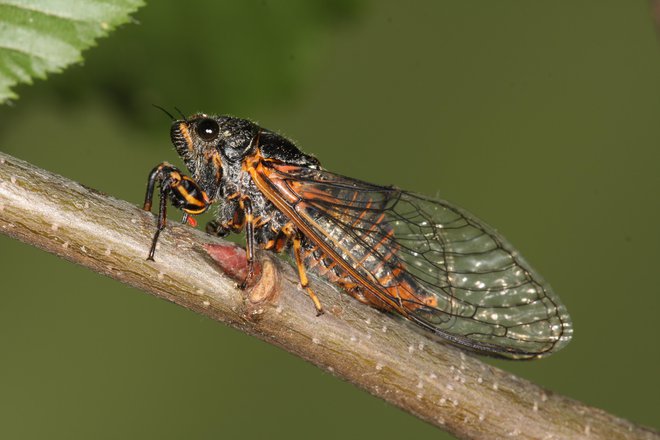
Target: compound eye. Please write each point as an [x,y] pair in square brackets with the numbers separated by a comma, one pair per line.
[208,129]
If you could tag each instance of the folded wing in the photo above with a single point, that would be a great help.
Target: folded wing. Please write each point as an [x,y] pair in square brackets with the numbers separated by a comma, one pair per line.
[426,259]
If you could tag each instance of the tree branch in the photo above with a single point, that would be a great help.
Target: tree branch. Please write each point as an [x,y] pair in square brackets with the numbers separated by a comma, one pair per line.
[385,356]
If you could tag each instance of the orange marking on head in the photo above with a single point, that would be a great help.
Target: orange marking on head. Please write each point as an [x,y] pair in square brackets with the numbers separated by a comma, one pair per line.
[183,128]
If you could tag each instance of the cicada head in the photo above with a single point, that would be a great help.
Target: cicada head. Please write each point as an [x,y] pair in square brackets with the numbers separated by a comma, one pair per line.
[209,144]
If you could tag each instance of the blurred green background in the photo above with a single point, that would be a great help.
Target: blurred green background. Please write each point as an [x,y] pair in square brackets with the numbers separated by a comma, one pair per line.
[543,119]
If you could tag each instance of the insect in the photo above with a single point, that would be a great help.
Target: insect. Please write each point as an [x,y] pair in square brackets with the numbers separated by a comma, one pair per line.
[422,258]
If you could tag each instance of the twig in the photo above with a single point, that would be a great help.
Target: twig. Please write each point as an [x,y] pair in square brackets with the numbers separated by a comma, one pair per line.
[383,355]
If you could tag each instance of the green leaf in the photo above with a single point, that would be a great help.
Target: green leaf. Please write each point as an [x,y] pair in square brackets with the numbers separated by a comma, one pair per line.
[42,36]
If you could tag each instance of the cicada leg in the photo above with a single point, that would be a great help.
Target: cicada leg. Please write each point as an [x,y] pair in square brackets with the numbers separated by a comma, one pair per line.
[302,275]
[294,234]
[184,193]
[246,206]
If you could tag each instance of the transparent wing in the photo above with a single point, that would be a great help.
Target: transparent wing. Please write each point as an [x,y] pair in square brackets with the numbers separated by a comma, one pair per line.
[431,261]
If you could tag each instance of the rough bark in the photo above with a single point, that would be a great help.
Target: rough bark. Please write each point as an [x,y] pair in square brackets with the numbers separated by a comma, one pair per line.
[383,355]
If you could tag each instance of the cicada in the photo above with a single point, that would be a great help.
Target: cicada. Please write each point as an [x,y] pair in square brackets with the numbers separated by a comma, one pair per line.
[419,257]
